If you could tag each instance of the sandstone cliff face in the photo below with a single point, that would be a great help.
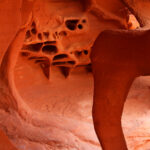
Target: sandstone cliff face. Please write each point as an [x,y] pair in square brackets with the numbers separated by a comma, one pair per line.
[55,112]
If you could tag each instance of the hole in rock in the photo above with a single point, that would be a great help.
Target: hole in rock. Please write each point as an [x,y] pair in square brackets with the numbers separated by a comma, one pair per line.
[78,53]
[63,33]
[33,47]
[33,57]
[33,24]
[40,36]
[34,31]
[86,52]
[46,34]
[71,24]
[28,35]
[42,58]
[50,42]
[80,26]
[25,54]
[71,62]
[64,63]
[65,71]
[89,68]
[39,61]
[58,63]
[84,21]
[61,56]
[49,49]
[46,68]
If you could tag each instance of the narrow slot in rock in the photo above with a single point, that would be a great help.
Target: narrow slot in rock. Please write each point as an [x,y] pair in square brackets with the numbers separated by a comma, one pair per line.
[64,63]
[33,47]
[33,57]
[61,56]
[49,49]
[71,24]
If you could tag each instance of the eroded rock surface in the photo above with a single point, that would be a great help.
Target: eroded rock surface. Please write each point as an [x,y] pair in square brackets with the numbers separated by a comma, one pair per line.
[55,114]
[64,38]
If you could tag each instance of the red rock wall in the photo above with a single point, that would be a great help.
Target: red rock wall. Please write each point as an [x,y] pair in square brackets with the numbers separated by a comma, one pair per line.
[57,114]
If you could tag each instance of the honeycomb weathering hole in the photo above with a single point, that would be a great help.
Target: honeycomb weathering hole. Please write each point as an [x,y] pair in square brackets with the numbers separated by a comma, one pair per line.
[80,26]
[46,34]
[78,53]
[60,56]
[45,66]
[64,63]
[50,42]
[28,35]
[71,24]
[25,54]
[49,49]
[34,31]
[32,58]
[33,24]
[39,36]
[86,52]
[33,47]
[71,62]
[84,21]
[65,71]
[63,33]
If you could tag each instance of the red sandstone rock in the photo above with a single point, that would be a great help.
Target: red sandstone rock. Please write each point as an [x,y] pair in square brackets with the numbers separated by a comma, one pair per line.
[9,23]
[5,143]
[113,77]
[55,114]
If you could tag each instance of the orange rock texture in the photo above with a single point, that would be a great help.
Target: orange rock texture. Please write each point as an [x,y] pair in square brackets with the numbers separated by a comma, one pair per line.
[46,82]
